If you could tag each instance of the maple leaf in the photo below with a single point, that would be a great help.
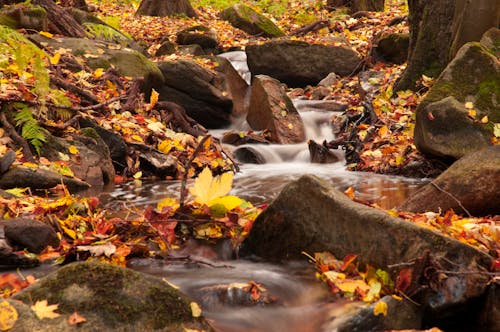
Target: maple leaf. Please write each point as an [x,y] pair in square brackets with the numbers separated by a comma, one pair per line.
[43,310]
[75,319]
[380,308]
[207,188]
[8,316]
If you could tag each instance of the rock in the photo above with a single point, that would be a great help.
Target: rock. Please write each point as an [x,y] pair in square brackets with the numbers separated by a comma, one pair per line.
[10,259]
[321,154]
[443,126]
[329,80]
[100,54]
[154,162]
[249,155]
[6,161]
[369,83]
[490,314]
[472,182]
[199,35]
[167,47]
[92,163]
[194,50]
[234,138]
[235,294]
[393,47]
[237,88]
[271,109]
[311,216]
[24,177]
[193,87]
[110,298]
[29,234]
[34,18]
[297,63]
[248,20]
[490,40]
[306,105]
[115,143]
[400,315]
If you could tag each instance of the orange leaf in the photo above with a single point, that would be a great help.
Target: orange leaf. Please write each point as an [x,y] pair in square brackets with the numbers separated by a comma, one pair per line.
[75,319]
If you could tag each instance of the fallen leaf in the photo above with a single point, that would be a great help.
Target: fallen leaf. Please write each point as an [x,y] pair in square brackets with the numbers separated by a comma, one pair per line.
[207,188]
[75,319]
[195,309]
[380,308]
[107,249]
[46,34]
[43,310]
[73,149]
[8,316]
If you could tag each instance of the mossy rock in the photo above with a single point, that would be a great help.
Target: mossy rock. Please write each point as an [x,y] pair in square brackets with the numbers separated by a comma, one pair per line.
[443,125]
[393,47]
[33,18]
[250,21]
[110,298]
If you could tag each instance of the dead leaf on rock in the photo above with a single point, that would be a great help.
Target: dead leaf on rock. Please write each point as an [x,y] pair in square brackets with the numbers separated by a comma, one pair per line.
[43,310]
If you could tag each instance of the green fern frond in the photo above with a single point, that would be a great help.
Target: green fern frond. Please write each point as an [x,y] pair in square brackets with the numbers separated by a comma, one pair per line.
[30,130]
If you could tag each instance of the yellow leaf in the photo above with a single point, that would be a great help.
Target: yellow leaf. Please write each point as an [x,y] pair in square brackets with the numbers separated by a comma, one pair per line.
[153,99]
[229,202]
[195,309]
[207,188]
[71,233]
[380,308]
[484,119]
[496,130]
[73,149]
[383,131]
[46,34]
[55,59]
[43,310]
[469,105]
[98,72]
[350,286]
[18,192]
[137,175]
[210,231]
[374,293]
[8,316]
[167,202]
[472,113]
[137,138]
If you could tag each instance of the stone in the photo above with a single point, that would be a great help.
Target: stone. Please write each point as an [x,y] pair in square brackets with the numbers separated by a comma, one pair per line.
[271,109]
[393,47]
[199,35]
[34,18]
[249,155]
[167,47]
[6,161]
[154,162]
[239,138]
[250,21]
[298,64]
[110,298]
[237,88]
[369,83]
[321,154]
[194,88]
[443,126]
[311,216]
[472,182]
[329,80]
[490,314]
[29,234]
[11,259]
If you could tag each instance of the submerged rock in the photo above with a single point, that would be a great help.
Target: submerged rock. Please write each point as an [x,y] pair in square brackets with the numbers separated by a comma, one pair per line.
[110,298]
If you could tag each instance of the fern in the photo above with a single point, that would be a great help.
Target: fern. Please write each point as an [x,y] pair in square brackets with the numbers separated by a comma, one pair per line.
[30,130]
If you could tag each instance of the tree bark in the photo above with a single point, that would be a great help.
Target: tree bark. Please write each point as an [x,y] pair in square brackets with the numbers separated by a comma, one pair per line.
[438,29]
[357,5]
[166,8]
[61,22]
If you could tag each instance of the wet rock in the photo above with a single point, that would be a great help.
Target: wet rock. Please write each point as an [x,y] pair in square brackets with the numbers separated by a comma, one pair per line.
[92,163]
[249,155]
[237,88]
[472,182]
[193,87]
[10,259]
[154,162]
[271,109]
[393,47]
[298,64]
[29,234]
[194,50]
[369,83]
[329,80]
[235,294]
[319,105]
[311,216]
[248,20]
[400,315]
[199,35]
[6,161]
[321,154]
[241,138]
[443,126]
[110,298]
[24,177]
[490,314]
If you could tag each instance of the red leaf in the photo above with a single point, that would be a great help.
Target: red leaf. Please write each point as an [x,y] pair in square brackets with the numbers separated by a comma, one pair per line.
[404,280]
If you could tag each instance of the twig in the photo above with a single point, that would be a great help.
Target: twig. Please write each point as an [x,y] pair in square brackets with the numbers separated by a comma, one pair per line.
[73,88]
[186,170]
[16,137]
[77,109]
[453,197]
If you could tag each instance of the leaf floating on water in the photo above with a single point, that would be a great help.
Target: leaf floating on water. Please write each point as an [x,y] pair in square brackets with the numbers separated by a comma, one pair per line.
[8,316]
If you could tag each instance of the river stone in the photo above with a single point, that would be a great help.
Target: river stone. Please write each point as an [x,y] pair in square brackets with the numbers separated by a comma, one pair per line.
[193,87]
[29,234]
[298,64]
[393,47]
[248,20]
[199,35]
[320,154]
[110,298]
[154,162]
[443,126]
[311,216]
[10,258]
[472,182]
[270,108]
[237,88]
[25,177]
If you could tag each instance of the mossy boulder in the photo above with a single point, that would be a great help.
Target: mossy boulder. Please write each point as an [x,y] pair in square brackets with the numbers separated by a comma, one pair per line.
[393,47]
[31,18]
[250,21]
[297,63]
[110,298]
[444,126]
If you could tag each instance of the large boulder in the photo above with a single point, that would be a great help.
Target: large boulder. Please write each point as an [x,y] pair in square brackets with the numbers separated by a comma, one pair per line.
[444,125]
[248,20]
[311,216]
[297,63]
[270,108]
[471,183]
[110,298]
[199,35]
[194,88]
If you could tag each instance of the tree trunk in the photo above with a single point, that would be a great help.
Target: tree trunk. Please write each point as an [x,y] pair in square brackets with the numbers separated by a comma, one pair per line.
[79,4]
[60,21]
[166,8]
[357,5]
[438,29]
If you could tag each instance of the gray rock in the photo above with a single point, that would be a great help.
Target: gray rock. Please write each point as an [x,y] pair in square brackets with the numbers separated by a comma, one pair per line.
[443,127]
[110,298]
[199,35]
[248,20]
[6,161]
[472,182]
[29,234]
[311,216]
[393,47]
[154,162]
[270,108]
[237,88]
[298,63]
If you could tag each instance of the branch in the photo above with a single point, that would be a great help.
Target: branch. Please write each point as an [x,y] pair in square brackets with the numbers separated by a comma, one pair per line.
[453,197]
